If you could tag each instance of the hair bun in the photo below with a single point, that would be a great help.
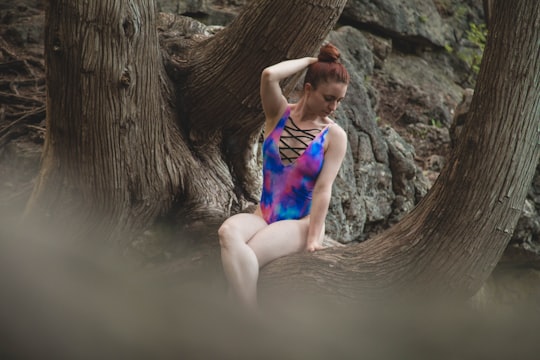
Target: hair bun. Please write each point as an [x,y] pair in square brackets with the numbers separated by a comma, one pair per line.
[328,53]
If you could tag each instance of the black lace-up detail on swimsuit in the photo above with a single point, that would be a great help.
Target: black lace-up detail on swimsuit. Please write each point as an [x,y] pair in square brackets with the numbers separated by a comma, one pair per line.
[288,188]
[294,141]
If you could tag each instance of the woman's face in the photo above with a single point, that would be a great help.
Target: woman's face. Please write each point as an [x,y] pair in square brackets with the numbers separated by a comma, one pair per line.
[325,99]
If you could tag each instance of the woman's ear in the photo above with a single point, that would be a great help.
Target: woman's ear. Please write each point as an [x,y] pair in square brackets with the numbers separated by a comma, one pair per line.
[308,87]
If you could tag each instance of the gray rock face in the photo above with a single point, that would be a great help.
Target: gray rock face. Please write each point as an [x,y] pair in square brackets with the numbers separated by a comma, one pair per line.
[416,21]
[379,181]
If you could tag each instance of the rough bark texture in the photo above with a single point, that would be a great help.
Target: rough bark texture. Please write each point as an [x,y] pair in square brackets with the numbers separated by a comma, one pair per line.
[453,239]
[488,10]
[124,144]
[106,155]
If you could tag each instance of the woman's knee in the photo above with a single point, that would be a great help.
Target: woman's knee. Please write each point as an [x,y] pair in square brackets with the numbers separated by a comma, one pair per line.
[227,233]
[239,228]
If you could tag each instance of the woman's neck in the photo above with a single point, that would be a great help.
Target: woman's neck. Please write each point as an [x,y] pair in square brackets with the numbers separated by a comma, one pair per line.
[300,112]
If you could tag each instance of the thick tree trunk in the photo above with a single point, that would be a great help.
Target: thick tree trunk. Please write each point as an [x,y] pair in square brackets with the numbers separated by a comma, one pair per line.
[106,160]
[126,144]
[488,10]
[454,238]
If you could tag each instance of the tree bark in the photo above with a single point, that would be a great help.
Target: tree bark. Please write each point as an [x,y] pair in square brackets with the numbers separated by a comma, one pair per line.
[453,239]
[126,144]
[488,11]
[106,158]
[220,90]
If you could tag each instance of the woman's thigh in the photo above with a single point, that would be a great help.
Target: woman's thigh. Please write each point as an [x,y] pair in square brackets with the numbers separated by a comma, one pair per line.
[279,239]
[241,227]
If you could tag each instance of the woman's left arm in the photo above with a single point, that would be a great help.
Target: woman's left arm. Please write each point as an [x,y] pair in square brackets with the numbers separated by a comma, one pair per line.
[337,146]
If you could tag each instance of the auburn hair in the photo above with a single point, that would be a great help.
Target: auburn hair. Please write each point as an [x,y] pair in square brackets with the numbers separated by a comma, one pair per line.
[328,68]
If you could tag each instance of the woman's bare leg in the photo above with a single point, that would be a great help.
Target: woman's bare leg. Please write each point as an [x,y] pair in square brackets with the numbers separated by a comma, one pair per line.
[279,239]
[240,264]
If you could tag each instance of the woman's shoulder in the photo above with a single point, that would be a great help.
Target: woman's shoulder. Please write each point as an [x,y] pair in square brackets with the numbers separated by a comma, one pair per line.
[336,132]
[331,124]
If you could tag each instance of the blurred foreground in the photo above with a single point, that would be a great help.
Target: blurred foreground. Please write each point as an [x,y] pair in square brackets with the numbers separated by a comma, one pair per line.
[61,302]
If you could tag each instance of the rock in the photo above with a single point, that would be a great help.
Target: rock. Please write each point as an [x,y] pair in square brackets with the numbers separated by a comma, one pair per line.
[362,191]
[414,22]
[381,48]
[434,163]
[211,12]
[429,140]
[408,181]
[427,88]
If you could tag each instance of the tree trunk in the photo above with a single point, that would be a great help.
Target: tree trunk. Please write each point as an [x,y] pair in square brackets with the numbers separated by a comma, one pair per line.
[125,143]
[106,160]
[220,92]
[453,239]
[488,11]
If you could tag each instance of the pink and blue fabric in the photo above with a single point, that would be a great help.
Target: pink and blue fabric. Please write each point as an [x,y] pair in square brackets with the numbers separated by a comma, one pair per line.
[287,189]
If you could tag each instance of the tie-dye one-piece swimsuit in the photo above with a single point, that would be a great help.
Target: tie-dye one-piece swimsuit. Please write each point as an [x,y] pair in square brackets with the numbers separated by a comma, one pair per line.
[287,189]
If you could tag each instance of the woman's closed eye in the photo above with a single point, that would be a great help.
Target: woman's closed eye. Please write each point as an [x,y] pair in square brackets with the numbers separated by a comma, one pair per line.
[333,98]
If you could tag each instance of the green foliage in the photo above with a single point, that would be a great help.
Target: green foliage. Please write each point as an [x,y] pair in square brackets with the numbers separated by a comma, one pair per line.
[436,123]
[476,35]
[471,53]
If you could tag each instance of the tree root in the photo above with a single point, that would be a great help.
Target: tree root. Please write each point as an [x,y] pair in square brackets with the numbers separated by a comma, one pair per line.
[22,96]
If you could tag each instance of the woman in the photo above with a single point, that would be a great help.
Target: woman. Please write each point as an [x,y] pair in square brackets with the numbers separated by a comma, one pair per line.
[302,153]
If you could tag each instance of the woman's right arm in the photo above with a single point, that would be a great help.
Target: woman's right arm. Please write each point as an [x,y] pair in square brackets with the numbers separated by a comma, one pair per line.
[273,101]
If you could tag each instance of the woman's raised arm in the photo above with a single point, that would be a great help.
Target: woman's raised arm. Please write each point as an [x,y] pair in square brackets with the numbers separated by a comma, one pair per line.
[273,101]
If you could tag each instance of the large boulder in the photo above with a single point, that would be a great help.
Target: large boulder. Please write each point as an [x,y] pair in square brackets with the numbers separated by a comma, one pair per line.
[379,181]
[413,21]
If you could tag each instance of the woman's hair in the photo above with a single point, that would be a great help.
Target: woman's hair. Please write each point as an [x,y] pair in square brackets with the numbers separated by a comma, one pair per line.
[328,68]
